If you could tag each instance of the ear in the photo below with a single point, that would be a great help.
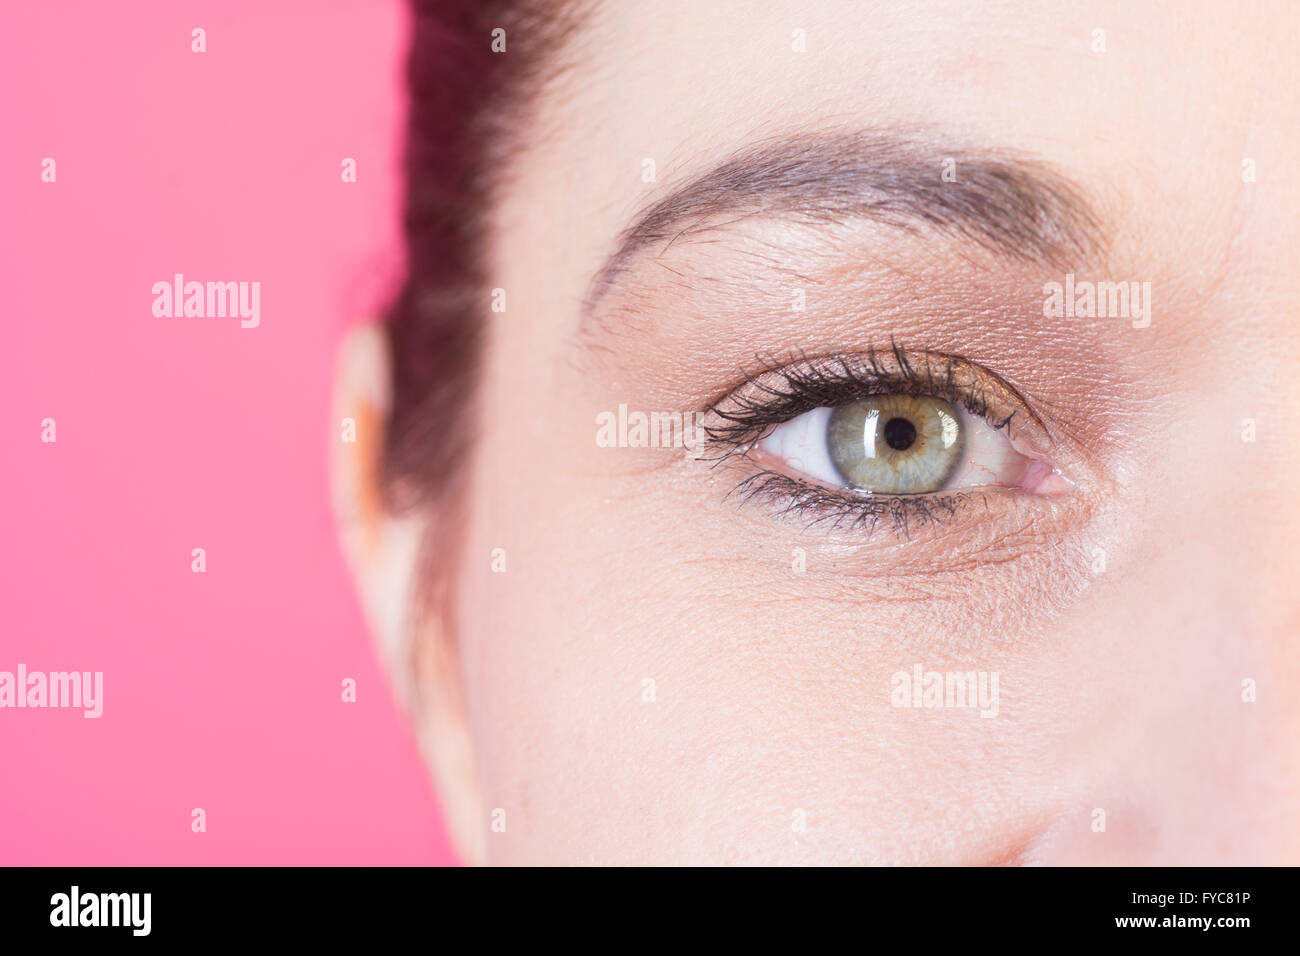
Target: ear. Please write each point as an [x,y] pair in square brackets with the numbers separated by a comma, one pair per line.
[384,552]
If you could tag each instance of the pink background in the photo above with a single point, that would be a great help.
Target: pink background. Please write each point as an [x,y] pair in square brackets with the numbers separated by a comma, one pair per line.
[221,690]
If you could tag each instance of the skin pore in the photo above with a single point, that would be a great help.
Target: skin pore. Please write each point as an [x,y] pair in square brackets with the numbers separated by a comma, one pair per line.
[652,678]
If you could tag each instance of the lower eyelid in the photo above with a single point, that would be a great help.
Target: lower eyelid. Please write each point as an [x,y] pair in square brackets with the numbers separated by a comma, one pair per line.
[815,507]
[1013,524]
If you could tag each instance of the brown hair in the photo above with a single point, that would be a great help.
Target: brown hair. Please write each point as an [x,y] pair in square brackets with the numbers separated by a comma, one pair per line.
[464,97]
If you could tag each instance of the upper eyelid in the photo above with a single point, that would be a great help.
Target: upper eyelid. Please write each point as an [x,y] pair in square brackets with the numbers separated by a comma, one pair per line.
[759,401]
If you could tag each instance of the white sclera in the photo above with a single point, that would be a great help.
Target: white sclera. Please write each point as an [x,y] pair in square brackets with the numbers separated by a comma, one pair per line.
[988,460]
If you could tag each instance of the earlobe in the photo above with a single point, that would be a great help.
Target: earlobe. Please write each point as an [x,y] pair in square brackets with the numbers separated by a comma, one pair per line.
[385,553]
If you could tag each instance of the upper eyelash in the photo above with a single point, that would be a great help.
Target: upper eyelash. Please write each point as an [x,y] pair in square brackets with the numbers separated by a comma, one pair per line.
[808,385]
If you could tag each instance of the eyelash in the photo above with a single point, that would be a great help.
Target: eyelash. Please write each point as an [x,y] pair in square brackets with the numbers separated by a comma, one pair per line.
[821,507]
[780,391]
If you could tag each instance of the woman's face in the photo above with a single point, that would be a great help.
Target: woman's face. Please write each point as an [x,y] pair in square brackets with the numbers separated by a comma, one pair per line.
[658,667]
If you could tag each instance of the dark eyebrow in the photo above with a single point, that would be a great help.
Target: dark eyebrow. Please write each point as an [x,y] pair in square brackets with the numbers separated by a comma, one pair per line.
[1015,207]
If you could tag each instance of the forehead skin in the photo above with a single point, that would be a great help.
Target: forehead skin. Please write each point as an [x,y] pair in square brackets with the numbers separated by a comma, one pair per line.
[1119,690]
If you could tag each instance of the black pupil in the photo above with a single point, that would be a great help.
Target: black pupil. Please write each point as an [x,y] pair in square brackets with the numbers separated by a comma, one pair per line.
[899,434]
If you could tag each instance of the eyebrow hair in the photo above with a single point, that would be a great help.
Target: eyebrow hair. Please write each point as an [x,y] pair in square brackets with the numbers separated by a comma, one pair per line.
[1016,207]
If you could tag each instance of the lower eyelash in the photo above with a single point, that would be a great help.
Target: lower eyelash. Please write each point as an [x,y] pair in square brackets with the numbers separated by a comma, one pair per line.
[822,507]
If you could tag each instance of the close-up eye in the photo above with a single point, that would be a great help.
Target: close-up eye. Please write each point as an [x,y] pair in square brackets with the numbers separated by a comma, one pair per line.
[885,432]
[896,444]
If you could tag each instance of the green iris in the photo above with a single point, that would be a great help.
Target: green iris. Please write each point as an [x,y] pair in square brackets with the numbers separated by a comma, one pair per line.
[896,444]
